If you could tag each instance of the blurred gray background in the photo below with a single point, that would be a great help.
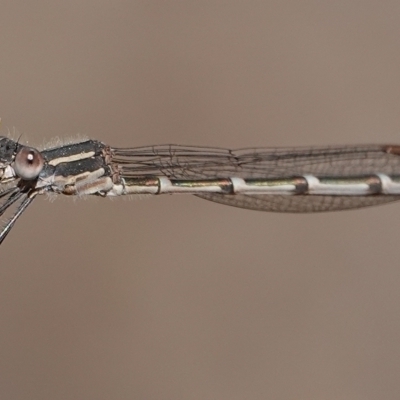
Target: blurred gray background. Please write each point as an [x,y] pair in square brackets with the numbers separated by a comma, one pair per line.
[175,297]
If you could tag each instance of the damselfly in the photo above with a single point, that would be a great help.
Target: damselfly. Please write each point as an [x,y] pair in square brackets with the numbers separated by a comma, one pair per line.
[293,180]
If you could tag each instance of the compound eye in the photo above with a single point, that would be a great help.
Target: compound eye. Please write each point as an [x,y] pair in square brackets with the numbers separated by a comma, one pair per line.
[28,163]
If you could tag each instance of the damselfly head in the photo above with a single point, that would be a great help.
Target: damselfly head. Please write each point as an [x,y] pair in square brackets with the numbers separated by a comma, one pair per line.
[8,149]
[7,152]
[18,161]
[28,163]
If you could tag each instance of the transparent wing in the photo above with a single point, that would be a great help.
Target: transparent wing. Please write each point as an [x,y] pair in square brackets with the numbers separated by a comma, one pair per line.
[297,203]
[181,162]
[176,161]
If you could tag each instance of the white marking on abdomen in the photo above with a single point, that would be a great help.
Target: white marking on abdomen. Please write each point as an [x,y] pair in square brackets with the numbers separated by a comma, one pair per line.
[388,185]
[316,187]
[240,186]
